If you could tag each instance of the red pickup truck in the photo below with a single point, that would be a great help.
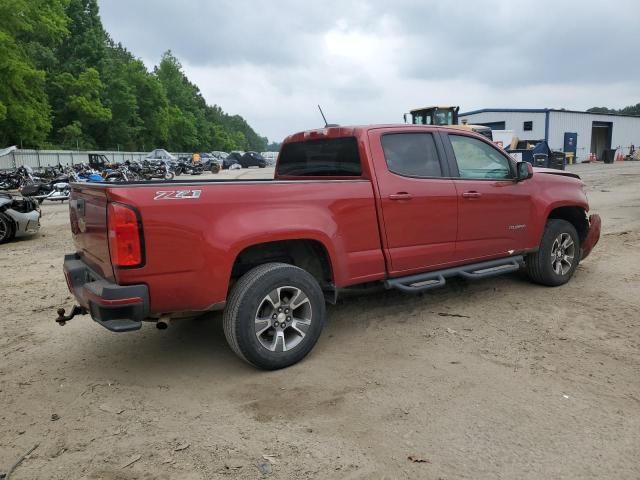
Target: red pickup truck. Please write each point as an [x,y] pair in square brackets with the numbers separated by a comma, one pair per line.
[408,206]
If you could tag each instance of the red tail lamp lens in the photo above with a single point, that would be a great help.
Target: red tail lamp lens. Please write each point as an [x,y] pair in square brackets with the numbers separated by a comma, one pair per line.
[124,236]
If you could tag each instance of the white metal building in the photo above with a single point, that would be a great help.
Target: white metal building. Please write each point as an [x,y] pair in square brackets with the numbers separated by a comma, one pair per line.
[565,130]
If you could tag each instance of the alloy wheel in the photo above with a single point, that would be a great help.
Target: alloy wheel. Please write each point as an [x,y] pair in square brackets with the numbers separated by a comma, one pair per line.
[283,319]
[563,253]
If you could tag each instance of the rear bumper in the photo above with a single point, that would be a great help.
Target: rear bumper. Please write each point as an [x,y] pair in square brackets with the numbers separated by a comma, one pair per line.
[119,308]
[595,225]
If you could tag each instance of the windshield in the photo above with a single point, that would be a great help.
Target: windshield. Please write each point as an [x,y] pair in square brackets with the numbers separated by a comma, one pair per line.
[444,118]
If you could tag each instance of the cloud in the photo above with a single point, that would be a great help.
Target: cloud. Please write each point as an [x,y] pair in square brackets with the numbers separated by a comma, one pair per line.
[370,61]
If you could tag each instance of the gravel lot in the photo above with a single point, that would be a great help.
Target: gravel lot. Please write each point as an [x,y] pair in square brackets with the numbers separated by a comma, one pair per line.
[494,379]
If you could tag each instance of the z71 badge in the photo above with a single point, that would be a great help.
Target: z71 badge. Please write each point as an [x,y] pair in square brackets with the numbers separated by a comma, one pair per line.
[177,194]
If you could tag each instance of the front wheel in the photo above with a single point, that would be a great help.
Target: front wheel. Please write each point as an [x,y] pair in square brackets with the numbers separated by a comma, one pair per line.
[168,175]
[558,256]
[274,315]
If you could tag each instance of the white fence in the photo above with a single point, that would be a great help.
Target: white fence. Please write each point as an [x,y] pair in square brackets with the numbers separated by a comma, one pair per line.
[47,158]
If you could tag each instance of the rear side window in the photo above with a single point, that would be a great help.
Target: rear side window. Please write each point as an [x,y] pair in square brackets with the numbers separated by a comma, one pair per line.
[412,154]
[329,157]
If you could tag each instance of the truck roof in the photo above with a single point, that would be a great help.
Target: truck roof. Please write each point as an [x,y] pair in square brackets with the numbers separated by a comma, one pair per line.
[355,130]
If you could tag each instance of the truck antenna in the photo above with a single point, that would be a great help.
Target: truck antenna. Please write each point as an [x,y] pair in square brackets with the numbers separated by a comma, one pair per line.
[326,125]
[323,117]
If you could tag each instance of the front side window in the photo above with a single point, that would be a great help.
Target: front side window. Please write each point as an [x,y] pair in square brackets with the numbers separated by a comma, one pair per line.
[479,160]
[412,154]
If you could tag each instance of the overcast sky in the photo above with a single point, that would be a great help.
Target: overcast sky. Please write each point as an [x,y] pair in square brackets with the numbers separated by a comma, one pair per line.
[369,61]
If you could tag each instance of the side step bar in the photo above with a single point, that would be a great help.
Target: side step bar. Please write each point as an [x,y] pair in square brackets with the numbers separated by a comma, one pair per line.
[427,281]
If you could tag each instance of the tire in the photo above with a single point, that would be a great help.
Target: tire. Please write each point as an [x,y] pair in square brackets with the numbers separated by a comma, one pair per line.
[259,293]
[178,171]
[6,228]
[215,168]
[560,238]
[169,175]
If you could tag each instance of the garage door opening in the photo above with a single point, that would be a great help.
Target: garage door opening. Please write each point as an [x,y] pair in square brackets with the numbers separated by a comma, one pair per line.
[601,138]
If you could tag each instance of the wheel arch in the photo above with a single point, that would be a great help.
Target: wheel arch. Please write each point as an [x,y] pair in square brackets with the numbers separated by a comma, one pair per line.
[575,215]
[306,253]
[13,224]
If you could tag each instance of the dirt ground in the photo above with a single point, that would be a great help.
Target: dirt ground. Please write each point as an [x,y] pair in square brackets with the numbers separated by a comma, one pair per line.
[492,379]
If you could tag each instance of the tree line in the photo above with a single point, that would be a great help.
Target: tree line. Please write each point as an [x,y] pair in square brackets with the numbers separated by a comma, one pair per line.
[64,83]
[630,110]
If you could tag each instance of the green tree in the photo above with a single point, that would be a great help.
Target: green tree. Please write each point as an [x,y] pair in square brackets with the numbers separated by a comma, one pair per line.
[274,147]
[600,110]
[85,45]
[29,29]
[72,136]
[64,81]
[79,100]
[631,109]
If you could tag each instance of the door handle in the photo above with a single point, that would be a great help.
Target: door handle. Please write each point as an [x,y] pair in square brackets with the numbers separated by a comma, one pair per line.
[471,195]
[400,196]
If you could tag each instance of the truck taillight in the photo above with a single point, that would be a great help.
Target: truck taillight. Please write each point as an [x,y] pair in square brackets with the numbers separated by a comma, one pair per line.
[125,232]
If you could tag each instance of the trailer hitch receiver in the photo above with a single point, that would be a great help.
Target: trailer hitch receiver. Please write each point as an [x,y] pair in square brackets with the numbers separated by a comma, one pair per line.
[76,310]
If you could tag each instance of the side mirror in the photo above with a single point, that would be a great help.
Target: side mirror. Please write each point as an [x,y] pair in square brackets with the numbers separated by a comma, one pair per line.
[525,171]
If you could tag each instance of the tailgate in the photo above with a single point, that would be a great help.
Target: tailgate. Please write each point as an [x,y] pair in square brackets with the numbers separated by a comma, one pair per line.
[88,215]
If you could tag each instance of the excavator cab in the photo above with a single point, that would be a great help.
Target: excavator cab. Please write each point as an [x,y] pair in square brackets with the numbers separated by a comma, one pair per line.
[435,116]
[445,116]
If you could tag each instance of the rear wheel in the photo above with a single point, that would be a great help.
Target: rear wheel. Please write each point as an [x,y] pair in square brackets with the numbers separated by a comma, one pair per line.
[274,315]
[558,256]
[6,228]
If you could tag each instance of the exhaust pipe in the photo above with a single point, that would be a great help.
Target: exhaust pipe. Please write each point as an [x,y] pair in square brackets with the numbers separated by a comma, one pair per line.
[163,322]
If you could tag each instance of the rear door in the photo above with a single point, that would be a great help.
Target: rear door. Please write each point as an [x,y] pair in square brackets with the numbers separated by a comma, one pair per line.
[493,208]
[417,199]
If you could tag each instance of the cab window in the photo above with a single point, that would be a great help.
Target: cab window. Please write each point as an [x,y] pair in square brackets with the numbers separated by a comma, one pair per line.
[411,154]
[479,160]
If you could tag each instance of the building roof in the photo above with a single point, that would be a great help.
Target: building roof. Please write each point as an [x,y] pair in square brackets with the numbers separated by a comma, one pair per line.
[541,110]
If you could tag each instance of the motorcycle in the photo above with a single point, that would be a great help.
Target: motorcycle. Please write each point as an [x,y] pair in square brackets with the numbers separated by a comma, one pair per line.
[123,173]
[17,178]
[151,170]
[57,189]
[84,173]
[188,167]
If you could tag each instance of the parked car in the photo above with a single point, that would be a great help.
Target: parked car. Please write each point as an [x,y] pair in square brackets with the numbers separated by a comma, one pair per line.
[404,206]
[19,217]
[232,158]
[211,163]
[253,159]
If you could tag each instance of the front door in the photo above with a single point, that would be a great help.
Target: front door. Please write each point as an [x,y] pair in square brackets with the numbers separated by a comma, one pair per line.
[418,203]
[493,208]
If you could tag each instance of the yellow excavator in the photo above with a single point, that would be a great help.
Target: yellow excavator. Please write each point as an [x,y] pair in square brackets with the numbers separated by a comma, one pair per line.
[445,116]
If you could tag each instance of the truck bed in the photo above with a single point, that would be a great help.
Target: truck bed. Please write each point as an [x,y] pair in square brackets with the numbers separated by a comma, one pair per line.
[193,231]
